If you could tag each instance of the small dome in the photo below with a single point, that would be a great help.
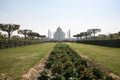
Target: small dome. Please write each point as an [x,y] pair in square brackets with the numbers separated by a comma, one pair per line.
[59,29]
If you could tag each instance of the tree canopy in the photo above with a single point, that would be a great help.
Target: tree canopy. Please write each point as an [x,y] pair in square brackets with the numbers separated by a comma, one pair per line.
[9,28]
[93,31]
[24,32]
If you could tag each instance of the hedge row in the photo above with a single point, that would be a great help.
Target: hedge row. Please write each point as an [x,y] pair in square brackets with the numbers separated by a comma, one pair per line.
[108,43]
[14,43]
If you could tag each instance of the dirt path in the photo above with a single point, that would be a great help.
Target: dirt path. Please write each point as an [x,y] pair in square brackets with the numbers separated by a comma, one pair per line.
[34,72]
[102,68]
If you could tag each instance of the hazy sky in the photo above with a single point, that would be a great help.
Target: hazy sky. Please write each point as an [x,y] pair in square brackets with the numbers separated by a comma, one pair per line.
[77,15]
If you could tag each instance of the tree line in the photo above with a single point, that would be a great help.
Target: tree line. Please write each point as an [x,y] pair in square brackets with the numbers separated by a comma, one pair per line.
[111,40]
[10,28]
[28,34]
[87,35]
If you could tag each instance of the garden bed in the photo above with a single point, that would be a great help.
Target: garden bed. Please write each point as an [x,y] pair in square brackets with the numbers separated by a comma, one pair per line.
[64,64]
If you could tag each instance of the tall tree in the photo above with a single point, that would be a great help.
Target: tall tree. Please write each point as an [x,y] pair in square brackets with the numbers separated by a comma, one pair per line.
[86,34]
[38,35]
[77,35]
[33,35]
[93,31]
[81,35]
[42,36]
[24,32]
[119,34]
[9,28]
[102,36]
[114,35]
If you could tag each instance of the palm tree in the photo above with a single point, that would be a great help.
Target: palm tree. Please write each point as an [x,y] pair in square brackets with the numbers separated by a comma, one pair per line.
[24,32]
[9,28]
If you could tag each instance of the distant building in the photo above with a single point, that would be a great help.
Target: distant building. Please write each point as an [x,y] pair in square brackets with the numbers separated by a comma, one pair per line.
[69,35]
[59,34]
[49,34]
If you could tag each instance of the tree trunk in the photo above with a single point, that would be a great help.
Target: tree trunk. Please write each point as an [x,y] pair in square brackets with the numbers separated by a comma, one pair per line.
[80,38]
[86,36]
[42,38]
[38,38]
[77,38]
[8,39]
[25,36]
[8,36]
[94,35]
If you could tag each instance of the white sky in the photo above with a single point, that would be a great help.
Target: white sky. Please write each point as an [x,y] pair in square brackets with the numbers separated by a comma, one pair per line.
[77,15]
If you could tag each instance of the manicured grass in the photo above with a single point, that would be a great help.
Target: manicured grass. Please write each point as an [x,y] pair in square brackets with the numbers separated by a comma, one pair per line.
[106,56]
[14,62]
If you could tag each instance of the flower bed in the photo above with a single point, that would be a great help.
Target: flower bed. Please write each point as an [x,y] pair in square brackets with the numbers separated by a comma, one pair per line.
[65,64]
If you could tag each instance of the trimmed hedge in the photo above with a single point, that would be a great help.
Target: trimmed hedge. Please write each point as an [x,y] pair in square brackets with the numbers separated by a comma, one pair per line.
[108,43]
[14,43]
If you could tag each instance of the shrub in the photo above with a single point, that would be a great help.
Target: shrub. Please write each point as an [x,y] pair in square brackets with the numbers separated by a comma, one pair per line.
[43,76]
[65,64]
[97,73]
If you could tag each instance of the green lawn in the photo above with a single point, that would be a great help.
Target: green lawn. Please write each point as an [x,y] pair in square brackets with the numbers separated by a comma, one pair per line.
[14,62]
[106,56]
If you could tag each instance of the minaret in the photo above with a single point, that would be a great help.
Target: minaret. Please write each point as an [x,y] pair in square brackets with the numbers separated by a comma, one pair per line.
[69,34]
[49,34]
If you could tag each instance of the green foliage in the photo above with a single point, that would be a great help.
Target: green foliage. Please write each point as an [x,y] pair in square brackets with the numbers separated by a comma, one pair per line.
[108,43]
[16,40]
[43,76]
[57,77]
[56,68]
[14,43]
[65,64]
[24,32]
[109,78]
[48,64]
[93,31]
[9,28]
[97,73]
[17,61]
[108,57]
[87,35]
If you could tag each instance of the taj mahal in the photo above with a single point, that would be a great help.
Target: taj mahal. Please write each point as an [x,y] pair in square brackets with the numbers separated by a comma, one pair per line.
[59,35]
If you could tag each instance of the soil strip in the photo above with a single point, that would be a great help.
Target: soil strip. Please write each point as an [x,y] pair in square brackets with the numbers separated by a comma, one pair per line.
[33,73]
[102,68]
